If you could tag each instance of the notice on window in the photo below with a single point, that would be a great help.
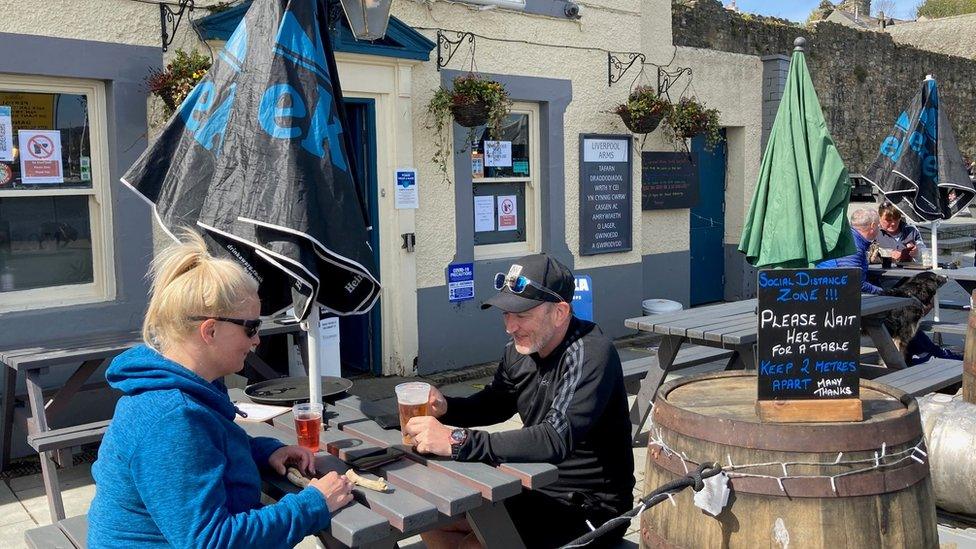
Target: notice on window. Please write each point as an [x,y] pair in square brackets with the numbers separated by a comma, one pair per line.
[507,213]
[40,156]
[477,166]
[6,136]
[460,282]
[329,361]
[484,214]
[498,154]
[406,197]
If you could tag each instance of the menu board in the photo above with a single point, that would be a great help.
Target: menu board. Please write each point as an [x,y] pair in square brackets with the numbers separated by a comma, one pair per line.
[669,180]
[605,194]
[809,334]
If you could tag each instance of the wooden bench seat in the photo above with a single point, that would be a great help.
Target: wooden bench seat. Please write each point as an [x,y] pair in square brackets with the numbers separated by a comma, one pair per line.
[70,533]
[939,329]
[68,437]
[47,537]
[688,355]
[957,243]
[937,373]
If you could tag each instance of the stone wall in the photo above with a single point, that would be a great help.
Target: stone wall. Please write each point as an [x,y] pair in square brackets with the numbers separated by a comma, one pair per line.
[863,79]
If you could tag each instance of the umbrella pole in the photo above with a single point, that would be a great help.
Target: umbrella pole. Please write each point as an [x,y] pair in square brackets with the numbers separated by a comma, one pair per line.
[314,377]
[935,261]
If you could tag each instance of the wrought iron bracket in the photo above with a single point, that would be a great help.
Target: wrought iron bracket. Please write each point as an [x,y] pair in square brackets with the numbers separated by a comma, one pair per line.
[666,79]
[448,47]
[169,20]
[617,67]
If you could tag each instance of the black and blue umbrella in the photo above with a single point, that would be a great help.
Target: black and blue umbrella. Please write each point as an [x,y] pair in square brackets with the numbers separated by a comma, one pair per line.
[257,159]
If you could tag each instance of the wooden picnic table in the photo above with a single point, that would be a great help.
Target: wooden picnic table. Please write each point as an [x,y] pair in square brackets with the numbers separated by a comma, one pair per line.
[734,326]
[428,492]
[964,276]
[81,357]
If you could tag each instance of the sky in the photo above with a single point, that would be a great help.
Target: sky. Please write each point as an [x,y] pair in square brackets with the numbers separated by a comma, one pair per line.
[799,10]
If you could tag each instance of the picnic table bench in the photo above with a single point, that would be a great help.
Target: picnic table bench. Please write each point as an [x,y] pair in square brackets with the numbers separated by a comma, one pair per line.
[734,326]
[935,374]
[82,357]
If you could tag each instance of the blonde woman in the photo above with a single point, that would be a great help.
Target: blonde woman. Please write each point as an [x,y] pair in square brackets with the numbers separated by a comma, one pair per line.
[174,469]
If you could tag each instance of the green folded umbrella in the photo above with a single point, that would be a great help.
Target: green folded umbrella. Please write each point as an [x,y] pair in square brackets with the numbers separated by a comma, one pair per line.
[798,214]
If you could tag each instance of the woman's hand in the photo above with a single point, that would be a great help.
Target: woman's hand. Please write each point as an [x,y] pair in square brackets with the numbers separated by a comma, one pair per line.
[300,458]
[436,402]
[335,488]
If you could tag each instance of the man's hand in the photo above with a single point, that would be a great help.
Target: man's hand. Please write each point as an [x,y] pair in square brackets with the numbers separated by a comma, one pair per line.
[300,458]
[436,402]
[335,488]
[911,250]
[430,435]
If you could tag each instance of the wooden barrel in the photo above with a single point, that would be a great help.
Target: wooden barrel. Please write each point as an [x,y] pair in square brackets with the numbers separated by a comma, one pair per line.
[712,418]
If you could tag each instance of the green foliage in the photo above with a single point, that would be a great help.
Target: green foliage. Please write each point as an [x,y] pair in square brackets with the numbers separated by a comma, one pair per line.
[174,83]
[643,102]
[945,8]
[467,90]
[689,118]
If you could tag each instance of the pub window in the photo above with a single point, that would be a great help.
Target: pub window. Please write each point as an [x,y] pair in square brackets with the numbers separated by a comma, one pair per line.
[55,224]
[505,181]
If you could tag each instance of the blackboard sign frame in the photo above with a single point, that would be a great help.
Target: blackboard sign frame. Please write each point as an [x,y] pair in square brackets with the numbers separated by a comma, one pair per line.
[808,346]
[690,195]
[586,240]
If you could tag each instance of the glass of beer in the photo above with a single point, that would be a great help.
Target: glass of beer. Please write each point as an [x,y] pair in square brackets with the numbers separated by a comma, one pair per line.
[308,424]
[412,402]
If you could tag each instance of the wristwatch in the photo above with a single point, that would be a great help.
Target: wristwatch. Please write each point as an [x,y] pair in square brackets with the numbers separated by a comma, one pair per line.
[458,437]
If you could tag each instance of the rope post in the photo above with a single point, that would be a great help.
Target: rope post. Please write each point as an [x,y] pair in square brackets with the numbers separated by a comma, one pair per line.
[969,360]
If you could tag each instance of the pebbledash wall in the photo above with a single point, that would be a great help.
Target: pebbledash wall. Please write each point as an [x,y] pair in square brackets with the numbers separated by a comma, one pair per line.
[570,87]
[563,71]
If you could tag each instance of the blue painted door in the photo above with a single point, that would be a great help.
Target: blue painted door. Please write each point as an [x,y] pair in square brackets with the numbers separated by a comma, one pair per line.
[360,344]
[708,225]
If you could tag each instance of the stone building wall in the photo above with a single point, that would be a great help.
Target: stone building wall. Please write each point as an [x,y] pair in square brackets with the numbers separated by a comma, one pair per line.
[863,79]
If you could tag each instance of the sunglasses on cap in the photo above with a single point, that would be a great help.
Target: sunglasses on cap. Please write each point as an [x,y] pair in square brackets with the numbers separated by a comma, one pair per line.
[251,327]
[518,284]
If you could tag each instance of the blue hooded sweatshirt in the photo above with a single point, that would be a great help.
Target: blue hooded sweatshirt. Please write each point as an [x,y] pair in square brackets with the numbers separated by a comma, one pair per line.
[858,260]
[175,470]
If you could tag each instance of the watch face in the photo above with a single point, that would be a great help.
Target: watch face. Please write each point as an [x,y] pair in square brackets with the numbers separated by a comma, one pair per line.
[457,435]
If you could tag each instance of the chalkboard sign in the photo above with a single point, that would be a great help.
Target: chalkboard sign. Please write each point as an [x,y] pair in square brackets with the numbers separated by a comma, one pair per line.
[605,194]
[809,339]
[669,180]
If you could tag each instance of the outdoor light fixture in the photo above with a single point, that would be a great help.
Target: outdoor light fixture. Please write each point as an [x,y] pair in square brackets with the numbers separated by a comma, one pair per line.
[367,18]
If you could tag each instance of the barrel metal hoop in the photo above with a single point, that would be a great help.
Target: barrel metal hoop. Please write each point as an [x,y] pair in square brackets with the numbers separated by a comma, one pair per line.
[874,482]
[789,437]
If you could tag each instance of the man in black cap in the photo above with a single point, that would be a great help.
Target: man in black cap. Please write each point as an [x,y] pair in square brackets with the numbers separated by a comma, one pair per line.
[563,377]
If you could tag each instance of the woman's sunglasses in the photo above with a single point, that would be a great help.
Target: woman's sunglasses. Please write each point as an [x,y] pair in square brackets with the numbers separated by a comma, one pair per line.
[251,327]
[518,284]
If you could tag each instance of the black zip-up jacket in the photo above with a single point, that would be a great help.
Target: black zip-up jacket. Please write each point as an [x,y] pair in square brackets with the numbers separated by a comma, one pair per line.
[574,413]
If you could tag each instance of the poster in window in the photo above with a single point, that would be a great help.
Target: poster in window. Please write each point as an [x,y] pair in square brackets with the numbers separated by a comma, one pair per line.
[507,213]
[484,214]
[498,154]
[40,156]
[477,165]
[6,136]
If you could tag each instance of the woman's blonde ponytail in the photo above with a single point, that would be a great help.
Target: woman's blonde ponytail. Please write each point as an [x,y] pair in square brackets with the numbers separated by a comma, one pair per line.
[187,281]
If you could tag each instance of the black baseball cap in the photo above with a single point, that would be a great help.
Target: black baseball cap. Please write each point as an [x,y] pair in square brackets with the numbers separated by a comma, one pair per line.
[542,270]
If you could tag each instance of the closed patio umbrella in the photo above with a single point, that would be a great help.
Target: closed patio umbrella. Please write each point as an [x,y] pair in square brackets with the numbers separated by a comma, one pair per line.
[798,214]
[256,159]
[919,168]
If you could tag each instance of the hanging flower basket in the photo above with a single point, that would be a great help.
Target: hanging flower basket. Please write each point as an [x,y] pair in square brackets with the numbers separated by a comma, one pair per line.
[643,111]
[471,115]
[473,101]
[175,82]
[689,119]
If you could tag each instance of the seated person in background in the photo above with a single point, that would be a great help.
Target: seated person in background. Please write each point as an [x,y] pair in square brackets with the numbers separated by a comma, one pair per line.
[895,234]
[563,377]
[174,469]
[864,228]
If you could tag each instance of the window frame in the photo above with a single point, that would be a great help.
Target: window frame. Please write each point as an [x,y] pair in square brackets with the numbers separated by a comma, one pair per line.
[103,285]
[533,194]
